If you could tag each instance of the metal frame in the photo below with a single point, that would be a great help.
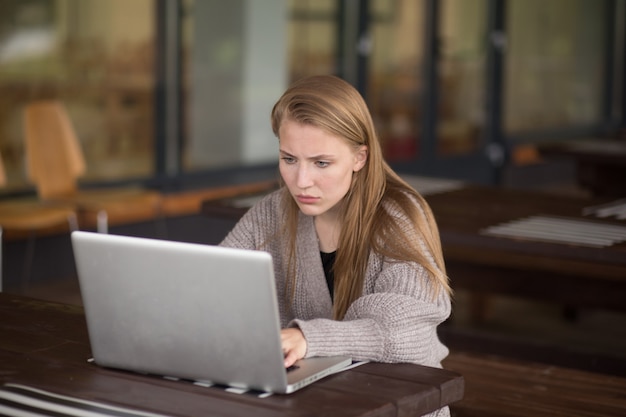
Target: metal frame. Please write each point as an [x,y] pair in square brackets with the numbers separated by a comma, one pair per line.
[354,16]
[168,91]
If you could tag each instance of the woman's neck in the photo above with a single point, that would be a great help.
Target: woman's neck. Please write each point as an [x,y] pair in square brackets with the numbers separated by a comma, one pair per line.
[328,229]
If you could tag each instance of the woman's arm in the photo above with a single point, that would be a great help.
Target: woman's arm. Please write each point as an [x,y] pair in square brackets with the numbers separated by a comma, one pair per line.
[396,321]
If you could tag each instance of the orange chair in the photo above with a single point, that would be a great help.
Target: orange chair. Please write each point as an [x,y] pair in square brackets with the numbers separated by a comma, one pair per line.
[27,215]
[55,162]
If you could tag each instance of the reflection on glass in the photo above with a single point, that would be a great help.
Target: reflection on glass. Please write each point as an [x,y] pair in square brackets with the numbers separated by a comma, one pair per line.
[461,76]
[554,64]
[235,69]
[94,56]
[312,37]
[239,57]
[394,89]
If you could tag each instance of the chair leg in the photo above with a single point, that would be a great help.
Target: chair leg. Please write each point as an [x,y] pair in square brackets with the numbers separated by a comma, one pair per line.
[30,252]
[28,262]
[72,221]
[103,221]
[160,222]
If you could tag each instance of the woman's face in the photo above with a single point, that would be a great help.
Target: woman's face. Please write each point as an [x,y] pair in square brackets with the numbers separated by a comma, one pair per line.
[316,166]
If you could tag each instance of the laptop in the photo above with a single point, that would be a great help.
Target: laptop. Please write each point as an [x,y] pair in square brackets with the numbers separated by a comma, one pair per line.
[203,313]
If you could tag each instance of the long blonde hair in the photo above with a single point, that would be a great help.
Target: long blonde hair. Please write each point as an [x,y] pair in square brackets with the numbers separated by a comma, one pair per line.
[333,105]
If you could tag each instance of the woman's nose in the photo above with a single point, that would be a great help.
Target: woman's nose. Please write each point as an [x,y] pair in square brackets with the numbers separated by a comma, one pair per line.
[304,179]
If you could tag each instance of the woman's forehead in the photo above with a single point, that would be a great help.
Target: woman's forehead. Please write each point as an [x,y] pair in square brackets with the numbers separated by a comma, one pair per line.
[306,138]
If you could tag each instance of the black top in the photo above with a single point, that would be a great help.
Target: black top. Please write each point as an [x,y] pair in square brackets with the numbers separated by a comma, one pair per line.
[328,261]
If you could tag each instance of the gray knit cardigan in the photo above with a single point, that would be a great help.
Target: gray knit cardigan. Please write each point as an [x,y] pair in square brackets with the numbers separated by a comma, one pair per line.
[395,319]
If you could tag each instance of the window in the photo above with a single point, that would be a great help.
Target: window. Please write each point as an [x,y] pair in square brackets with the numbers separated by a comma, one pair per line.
[97,58]
[555,64]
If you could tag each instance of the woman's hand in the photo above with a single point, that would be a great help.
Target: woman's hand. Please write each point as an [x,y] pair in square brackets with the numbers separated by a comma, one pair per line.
[294,345]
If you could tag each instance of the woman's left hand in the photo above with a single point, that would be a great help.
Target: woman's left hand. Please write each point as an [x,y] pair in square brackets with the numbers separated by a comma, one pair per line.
[294,345]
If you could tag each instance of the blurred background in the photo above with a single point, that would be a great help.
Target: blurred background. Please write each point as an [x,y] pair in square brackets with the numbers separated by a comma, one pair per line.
[175,95]
[164,92]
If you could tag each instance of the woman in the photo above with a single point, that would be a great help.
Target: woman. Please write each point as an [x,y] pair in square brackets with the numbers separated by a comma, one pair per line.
[357,256]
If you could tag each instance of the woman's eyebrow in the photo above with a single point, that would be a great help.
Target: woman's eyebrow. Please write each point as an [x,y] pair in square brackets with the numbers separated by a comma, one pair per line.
[311,158]
[322,156]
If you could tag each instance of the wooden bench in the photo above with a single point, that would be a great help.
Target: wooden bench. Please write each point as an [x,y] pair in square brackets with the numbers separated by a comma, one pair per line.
[174,203]
[502,387]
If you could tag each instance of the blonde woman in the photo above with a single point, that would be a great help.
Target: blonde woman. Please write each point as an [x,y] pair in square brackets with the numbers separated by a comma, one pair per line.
[357,255]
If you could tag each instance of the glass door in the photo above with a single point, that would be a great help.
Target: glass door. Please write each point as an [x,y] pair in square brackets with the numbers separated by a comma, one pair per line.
[427,86]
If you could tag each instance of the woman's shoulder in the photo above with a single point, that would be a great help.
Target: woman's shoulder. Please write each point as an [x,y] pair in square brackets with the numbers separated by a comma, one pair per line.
[400,201]
[272,199]
[261,199]
[405,210]
[267,205]
[260,221]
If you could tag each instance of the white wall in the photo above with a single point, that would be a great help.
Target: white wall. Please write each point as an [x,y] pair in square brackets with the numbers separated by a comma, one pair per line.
[239,70]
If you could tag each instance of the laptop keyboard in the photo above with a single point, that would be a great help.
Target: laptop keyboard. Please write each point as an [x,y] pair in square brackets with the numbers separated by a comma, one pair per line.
[292,368]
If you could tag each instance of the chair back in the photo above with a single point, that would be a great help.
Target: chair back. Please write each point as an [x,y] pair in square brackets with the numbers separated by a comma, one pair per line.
[54,159]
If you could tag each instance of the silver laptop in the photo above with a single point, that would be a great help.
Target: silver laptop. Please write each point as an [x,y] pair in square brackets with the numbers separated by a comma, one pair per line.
[190,311]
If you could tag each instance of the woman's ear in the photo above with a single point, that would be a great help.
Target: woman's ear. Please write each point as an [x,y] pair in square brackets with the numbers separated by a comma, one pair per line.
[360,158]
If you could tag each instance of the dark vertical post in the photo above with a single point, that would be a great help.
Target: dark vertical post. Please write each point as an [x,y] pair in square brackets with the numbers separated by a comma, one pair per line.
[167,111]
[430,91]
[621,8]
[353,42]
[608,114]
[363,47]
[495,146]
[339,40]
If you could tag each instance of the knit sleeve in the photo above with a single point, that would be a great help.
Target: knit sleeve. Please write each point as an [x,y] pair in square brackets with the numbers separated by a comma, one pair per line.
[397,322]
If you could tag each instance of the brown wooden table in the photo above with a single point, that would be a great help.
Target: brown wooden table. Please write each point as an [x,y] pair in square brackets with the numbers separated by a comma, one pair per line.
[498,386]
[45,345]
[571,274]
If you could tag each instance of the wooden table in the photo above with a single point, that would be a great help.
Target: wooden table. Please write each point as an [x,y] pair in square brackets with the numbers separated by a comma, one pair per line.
[45,345]
[571,274]
[498,386]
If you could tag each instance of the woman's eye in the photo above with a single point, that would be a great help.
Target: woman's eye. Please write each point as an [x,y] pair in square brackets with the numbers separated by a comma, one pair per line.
[322,164]
[289,160]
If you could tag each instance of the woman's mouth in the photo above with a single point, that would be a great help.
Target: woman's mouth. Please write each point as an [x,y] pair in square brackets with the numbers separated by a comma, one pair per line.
[306,199]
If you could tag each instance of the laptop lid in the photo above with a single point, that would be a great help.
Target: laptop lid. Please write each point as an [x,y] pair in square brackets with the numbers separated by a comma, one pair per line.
[185,310]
